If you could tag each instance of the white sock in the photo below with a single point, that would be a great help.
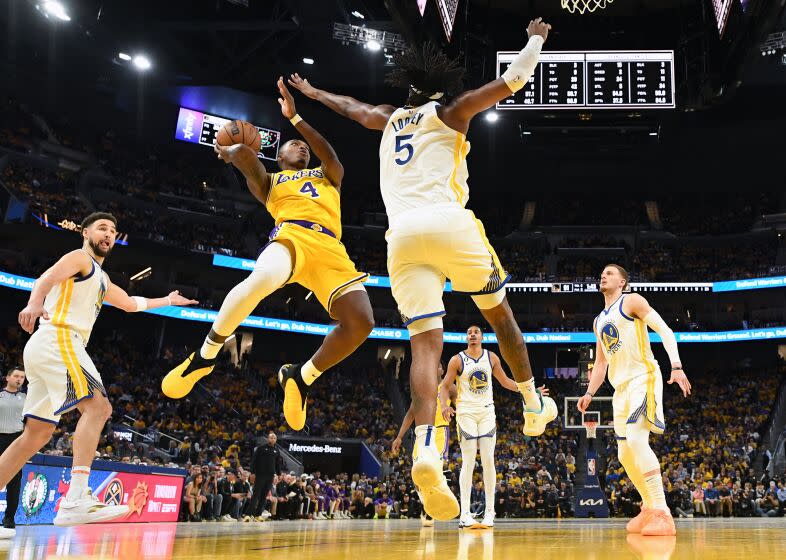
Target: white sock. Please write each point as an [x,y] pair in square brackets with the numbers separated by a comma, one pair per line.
[425,440]
[487,445]
[654,485]
[210,348]
[469,448]
[527,390]
[79,476]
[309,372]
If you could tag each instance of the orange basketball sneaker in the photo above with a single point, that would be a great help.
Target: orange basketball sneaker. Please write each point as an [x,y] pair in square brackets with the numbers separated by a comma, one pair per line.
[659,524]
[636,524]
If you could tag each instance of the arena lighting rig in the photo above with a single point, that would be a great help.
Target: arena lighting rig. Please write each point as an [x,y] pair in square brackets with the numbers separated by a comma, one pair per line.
[372,39]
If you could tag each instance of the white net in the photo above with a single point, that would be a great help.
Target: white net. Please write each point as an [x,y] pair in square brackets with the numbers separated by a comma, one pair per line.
[583,6]
[591,428]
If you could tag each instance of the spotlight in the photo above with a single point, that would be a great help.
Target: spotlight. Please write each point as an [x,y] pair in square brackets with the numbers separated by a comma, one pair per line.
[373,45]
[142,63]
[387,353]
[358,15]
[653,133]
[55,9]
[492,117]
[124,56]
[308,60]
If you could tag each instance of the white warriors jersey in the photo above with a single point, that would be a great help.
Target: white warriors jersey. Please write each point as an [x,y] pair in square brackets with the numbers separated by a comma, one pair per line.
[474,383]
[422,161]
[75,303]
[626,345]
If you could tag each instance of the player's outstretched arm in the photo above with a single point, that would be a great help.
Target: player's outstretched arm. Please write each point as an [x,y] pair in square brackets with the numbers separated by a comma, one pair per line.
[71,264]
[460,111]
[597,377]
[331,165]
[409,419]
[446,391]
[374,117]
[117,296]
[636,306]
[244,158]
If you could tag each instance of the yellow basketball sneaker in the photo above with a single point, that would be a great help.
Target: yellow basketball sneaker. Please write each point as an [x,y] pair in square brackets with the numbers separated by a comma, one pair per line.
[295,395]
[438,500]
[535,421]
[181,380]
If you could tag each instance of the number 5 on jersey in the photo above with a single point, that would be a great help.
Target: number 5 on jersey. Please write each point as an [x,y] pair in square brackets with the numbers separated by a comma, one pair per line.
[403,145]
[309,189]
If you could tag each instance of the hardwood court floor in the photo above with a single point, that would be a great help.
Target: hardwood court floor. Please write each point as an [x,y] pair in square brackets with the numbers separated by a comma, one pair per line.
[749,539]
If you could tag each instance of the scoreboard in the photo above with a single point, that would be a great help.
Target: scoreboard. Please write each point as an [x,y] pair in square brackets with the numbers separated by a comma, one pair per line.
[201,128]
[595,80]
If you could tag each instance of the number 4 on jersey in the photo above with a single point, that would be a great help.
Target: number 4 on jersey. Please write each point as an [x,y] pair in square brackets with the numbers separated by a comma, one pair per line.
[309,188]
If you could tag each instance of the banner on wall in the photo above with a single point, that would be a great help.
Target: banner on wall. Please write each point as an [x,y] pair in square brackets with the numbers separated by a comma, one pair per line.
[150,497]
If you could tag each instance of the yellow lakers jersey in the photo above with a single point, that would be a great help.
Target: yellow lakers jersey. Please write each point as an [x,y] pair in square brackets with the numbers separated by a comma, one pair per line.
[304,194]
[440,421]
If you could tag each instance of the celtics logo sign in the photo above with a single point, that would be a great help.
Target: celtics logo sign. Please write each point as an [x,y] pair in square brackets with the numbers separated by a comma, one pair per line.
[34,494]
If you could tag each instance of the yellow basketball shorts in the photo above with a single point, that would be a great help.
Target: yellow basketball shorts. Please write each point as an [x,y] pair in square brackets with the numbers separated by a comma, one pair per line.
[641,397]
[322,264]
[60,373]
[429,244]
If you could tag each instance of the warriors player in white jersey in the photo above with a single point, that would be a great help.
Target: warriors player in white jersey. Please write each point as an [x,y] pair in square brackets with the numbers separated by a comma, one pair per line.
[624,348]
[423,179]
[476,421]
[67,299]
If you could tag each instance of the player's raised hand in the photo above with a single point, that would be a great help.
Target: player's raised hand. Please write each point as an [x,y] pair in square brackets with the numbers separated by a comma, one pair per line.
[176,299]
[583,403]
[286,100]
[231,154]
[538,27]
[395,446]
[28,316]
[302,85]
[678,376]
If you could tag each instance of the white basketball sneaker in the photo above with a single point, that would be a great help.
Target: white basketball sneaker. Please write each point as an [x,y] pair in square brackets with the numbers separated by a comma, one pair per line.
[466,520]
[438,501]
[7,533]
[488,519]
[426,521]
[86,509]
[535,421]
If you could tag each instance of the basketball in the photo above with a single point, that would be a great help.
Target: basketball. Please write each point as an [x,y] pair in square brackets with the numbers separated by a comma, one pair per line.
[239,132]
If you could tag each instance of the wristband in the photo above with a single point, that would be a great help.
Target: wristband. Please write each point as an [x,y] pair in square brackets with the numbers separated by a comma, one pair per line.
[296,119]
[141,303]
[169,300]
[676,368]
[590,394]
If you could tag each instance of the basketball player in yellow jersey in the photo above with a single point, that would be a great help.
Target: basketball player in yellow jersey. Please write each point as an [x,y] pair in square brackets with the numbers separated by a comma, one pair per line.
[67,299]
[441,429]
[623,347]
[432,236]
[304,248]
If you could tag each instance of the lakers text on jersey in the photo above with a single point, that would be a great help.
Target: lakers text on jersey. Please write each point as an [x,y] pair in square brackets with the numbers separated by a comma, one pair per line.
[307,210]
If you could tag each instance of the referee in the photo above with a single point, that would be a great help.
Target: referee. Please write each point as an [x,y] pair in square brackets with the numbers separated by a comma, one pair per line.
[12,401]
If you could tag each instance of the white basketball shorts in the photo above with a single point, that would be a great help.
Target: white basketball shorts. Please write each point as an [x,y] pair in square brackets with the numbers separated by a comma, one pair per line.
[476,424]
[60,373]
[641,397]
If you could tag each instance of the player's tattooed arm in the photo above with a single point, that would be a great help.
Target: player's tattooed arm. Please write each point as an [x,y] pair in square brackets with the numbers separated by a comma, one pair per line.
[75,263]
[374,117]
[331,165]
[245,160]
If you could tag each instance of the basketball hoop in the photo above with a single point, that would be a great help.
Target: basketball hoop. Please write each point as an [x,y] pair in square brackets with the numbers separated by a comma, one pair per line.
[583,6]
[591,426]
